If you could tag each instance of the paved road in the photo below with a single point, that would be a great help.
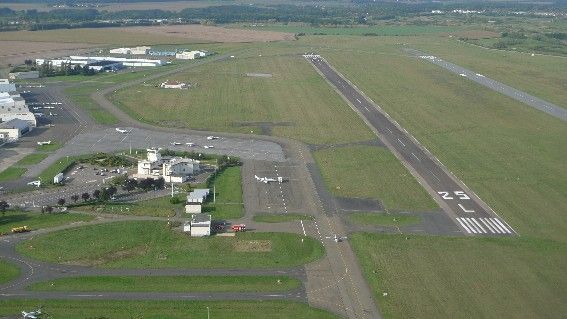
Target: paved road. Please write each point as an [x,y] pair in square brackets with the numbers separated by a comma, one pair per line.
[469,212]
[535,102]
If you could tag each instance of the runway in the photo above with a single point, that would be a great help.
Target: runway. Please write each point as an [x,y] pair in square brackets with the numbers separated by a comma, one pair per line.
[535,102]
[468,211]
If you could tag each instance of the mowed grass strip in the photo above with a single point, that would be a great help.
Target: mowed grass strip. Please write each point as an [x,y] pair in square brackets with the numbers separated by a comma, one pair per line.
[178,309]
[372,172]
[383,219]
[228,187]
[145,244]
[49,147]
[157,207]
[12,173]
[511,155]
[296,100]
[171,284]
[8,271]
[32,159]
[281,218]
[35,220]
[464,277]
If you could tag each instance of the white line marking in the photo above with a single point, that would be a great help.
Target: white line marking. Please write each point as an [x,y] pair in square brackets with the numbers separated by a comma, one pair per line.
[401,142]
[496,226]
[502,225]
[304,234]
[478,224]
[470,226]
[389,130]
[438,180]
[417,158]
[489,222]
[464,226]
[359,101]
[466,210]
[486,224]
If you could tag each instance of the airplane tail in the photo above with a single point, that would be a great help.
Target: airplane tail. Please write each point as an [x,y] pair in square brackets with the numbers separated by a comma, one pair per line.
[256,176]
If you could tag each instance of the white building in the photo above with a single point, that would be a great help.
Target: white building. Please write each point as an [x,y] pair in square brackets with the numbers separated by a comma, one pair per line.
[12,130]
[23,75]
[198,195]
[173,85]
[13,106]
[121,51]
[193,208]
[125,61]
[191,55]
[6,86]
[141,50]
[178,170]
[200,225]
[137,50]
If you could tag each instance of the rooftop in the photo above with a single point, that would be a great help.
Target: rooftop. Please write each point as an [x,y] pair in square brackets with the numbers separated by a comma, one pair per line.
[14,123]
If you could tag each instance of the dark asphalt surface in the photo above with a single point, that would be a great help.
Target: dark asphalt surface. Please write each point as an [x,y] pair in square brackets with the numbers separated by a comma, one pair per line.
[469,212]
[535,102]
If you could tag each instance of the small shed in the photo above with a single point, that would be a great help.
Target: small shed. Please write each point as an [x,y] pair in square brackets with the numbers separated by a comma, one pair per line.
[193,208]
[200,225]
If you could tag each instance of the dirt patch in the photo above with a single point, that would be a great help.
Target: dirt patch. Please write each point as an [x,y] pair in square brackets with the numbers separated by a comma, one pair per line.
[101,260]
[253,246]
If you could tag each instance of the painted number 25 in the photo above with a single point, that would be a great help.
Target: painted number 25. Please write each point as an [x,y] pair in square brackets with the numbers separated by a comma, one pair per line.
[459,194]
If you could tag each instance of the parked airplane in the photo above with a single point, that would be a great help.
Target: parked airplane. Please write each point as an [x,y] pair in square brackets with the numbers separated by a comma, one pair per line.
[44,143]
[175,143]
[208,146]
[32,314]
[35,183]
[337,238]
[265,179]
[212,137]
[122,130]
[190,144]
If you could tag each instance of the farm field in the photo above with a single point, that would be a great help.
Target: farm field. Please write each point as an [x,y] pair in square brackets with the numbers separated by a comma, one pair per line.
[143,244]
[466,277]
[171,284]
[383,219]
[382,177]
[178,309]
[36,221]
[229,203]
[224,99]
[7,271]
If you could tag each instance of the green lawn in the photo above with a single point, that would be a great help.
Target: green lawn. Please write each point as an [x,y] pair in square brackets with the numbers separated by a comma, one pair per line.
[80,95]
[59,166]
[178,309]
[158,207]
[8,271]
[35,220]
[296,100]
[372,172]
[464,277]
[31,159]
[382,30]
[49,147]
[171,284]
[281,218]
[383,219]
[229,203]
[12,173]
[144,244]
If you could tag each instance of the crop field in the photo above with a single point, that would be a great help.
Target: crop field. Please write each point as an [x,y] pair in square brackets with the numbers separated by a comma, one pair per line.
[34,220]
[171,284]
[229,203]
[382,219]
[294,102]
[7,271]
[464,277]
[178,309]
[144,244]
[372,172]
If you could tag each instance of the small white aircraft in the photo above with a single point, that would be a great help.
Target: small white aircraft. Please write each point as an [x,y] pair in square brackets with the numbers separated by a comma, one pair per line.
[48,107]
[35,183]
[175,143]
[32,314]
[462,74]
[44,143]
[265,180]
[336,238]
[208,146]
[212,137]
[190,144]
[123,131]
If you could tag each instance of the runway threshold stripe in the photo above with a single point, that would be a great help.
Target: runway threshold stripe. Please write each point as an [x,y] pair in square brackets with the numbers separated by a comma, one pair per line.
[496,225]
[478,224]
[489,222]
[486,224]
[464,226]
[502,225]
[470,226]
[471,221]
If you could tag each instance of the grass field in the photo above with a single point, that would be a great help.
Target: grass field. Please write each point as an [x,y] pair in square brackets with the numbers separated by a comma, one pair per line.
[178,309]
[372,172]
[35,221]
[382,219]
[296,102]
[171,284]
[12,173]
[8,271]
[280,218]
[57,167]
[31,159]
[464,277]
[384,30]
[49,147]
[158,207]
[153,245]
[229,203]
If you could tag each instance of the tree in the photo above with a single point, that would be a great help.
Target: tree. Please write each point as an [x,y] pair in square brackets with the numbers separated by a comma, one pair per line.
[129,185]
[49,209]
[4,206]
[96,194]
[146,184]
[61,201]
[85,196]
[75,198]
[159,183]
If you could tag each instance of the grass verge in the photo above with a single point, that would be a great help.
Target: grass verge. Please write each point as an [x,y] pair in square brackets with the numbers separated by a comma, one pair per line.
[178,309]
[466,277]
[12,173]
[171,284]
[49,147]
[8,271]
[34,220]
[32,159]
[145,244]
[383,219]
[158,207]
[280,218]
[229,203]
